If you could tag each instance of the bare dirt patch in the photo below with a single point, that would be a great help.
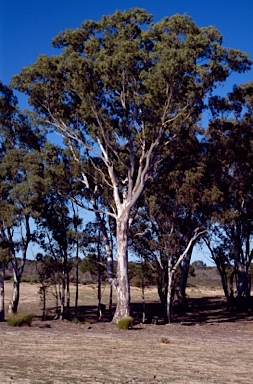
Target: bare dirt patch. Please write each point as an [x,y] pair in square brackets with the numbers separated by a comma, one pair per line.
[211,350]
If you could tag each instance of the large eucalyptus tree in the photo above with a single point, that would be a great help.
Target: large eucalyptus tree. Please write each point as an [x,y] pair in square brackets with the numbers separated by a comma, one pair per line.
[117,92]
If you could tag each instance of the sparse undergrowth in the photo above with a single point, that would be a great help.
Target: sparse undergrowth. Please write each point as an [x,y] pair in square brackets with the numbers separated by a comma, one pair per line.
[77,320]
[125,323]
[199,350]
[20,319]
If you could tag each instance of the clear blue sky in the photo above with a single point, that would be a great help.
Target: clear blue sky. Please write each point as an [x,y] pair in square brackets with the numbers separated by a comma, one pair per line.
[28,26]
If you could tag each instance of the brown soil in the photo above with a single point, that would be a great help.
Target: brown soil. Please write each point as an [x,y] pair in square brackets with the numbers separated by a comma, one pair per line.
[207,344]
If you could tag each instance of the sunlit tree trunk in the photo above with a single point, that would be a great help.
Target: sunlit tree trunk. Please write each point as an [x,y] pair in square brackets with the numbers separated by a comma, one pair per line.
[110,269]
[123,286]
[170,293]
[99,277]
[13,305]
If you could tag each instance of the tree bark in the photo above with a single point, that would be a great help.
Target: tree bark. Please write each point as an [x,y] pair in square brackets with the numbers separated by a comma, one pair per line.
[18,268]
[143,293]
[63,288]
[224,280]
[13,305]
[243,282]
[184,266]
[67,294]
[172,272]
[77,280]
[170,294]
[99,278]
[162,285]
[2,274]
[75,218]
[122,286]
[43,291]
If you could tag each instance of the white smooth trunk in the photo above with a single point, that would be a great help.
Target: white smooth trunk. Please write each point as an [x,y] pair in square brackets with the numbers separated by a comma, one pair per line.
[123,286]
[13,305]
[170,294]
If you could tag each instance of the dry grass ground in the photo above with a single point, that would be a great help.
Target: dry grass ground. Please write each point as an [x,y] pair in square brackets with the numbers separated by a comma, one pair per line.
[213,350]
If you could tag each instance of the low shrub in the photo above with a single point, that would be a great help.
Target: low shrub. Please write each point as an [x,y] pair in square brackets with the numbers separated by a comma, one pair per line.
[19,319]
[75,320]
[125,323]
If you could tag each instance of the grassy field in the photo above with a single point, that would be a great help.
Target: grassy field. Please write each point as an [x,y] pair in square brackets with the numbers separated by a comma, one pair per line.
[216,348]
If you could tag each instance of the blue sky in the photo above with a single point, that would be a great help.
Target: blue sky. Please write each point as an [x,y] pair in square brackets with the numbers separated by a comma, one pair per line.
[28,26]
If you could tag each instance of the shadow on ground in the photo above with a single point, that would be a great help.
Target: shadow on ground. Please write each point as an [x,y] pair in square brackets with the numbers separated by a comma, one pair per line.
[199,310]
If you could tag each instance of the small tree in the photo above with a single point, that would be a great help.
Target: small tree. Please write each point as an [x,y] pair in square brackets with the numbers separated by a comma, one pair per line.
[49,271]
[55,236]
[95,260]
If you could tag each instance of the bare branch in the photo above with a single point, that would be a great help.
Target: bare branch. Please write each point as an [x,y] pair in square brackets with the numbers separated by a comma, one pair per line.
[86,207]
[105,137]
[142,233]
[191,242]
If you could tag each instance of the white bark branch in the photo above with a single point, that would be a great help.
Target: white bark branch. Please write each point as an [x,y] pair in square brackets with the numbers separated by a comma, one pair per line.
[191,242]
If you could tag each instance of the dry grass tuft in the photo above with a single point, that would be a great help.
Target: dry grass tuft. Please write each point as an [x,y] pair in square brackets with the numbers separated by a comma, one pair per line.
[20,319]
[125,323]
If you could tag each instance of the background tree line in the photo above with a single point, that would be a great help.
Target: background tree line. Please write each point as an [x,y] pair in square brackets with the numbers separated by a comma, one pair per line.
[127,97]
